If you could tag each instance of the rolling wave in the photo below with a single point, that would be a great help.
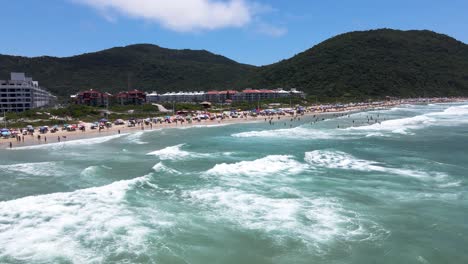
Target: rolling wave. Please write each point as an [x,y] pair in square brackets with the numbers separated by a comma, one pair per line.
[267,166]
[71,143]
[342,160]
[37,168]
[451,116]
[135,138]
[312,221]
[299,132]
[176,153]
[86,225]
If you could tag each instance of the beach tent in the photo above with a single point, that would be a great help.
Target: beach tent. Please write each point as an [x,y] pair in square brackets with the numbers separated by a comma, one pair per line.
[5,132]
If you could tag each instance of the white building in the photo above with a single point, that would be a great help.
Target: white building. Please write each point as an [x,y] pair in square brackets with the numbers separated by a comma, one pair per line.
[21,93]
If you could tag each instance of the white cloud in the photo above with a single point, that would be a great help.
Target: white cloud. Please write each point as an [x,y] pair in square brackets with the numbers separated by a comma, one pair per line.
[181,15]
[271,30]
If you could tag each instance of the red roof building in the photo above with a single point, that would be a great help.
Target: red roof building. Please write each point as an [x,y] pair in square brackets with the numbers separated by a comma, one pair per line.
[220,96]
[93,98]
[134,97]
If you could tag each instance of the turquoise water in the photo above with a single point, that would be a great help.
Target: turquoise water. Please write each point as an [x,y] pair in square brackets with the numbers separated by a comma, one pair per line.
[393,192]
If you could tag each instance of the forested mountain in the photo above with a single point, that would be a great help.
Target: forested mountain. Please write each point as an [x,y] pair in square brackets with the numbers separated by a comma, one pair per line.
[143,66]
[358,64]
[375,63]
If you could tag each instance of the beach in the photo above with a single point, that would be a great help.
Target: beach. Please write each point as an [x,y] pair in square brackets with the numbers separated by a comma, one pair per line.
[318,111]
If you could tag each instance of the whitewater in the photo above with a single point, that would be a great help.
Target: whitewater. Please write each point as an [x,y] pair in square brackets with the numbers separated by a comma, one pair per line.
[379,186]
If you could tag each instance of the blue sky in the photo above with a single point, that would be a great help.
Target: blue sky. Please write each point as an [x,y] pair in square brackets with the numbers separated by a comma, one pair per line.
[254,32]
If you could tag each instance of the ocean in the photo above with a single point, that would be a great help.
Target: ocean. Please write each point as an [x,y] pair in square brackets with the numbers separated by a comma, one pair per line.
[389,188]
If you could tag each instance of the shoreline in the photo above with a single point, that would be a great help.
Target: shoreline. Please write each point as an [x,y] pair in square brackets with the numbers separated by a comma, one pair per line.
[68,136]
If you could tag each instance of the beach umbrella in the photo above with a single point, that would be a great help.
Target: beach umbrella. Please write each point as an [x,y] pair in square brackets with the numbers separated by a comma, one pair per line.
[103,120]
[5,132]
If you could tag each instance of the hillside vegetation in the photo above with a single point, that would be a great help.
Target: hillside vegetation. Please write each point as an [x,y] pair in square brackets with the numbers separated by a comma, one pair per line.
[359,64]
[375,63]
[143,66]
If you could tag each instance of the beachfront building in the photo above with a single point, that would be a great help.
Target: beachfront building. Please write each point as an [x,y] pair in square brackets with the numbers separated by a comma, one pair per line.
[221,96]
[22,93]
[92,98]
[226,96]
[217,97]
[134,97]
[251,95]
[180,97]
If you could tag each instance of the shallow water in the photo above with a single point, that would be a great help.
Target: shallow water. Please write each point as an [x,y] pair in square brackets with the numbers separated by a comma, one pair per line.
[388,192]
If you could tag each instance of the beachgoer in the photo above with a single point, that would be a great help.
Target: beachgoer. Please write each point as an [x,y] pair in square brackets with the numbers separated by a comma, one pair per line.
[11,144]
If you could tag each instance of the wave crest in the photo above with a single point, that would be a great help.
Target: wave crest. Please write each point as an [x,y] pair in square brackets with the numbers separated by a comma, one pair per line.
[82,224]
[342,160]
[269,165]
[313,221]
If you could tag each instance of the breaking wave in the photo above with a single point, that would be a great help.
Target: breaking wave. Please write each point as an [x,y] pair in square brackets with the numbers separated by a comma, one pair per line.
[72,143]
[176,153]
[201,126]
[342,160]
[37,168]
[160,167]
[83,226]
[173,153]
[267,166]
[289,133]
[313,221]
[92,171]
[448,117]
[135,138]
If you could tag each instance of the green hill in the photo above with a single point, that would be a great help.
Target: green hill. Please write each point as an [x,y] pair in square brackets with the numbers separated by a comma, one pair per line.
[357,64]
[375,63]
[148,67]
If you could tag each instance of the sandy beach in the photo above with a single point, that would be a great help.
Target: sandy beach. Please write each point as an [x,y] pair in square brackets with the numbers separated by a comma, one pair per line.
[63,135]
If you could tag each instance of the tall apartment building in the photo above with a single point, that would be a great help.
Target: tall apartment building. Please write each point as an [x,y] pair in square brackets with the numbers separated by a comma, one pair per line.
[22,93]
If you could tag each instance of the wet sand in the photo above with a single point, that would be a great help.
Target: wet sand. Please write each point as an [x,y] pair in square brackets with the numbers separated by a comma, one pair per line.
[114,130]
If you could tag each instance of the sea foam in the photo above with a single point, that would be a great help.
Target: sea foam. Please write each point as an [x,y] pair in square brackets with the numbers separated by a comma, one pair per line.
[35,168]
[72,143]
[81,227]
[341,160]
[135,138]
[312,221]
[173,153]
[452,116]
[299,132]
[269,165]
[176,153]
